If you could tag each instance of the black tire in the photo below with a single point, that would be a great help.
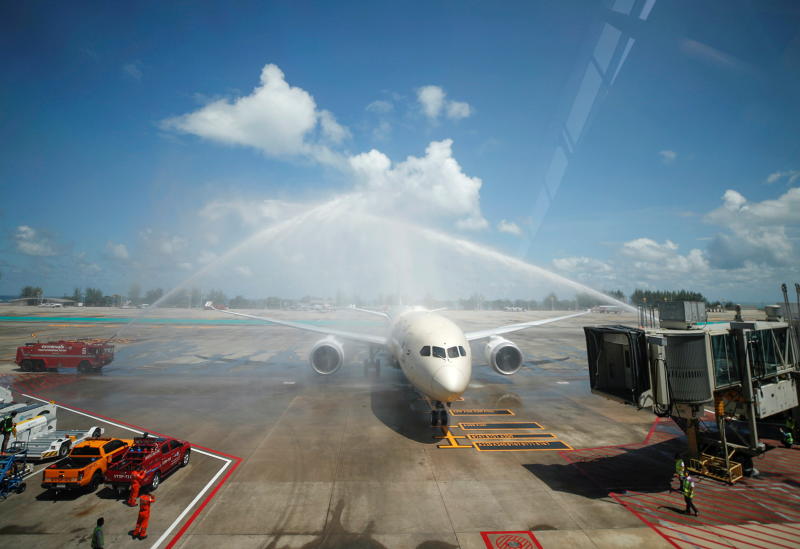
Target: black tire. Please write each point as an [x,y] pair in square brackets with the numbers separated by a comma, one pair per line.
[444,417]
[21,487]
[84,367]
[434,418]
[63,450]
[39,366]
[185,459]
[26,365]
[97,479]
[155,482]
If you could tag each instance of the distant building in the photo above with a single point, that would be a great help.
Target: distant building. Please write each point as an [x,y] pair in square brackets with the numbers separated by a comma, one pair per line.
[44,301]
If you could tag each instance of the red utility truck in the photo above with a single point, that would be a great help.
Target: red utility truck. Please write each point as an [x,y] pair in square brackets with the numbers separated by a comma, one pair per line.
[157,457]
[83,355]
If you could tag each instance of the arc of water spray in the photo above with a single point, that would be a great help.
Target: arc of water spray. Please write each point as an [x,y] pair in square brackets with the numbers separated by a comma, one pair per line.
[466,247]
[268,232]
[327,211]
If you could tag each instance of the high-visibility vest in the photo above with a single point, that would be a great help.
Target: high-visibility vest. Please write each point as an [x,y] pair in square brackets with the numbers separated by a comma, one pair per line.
[790,423]
[679,466]
[97,538]
[7,425]
[688,488]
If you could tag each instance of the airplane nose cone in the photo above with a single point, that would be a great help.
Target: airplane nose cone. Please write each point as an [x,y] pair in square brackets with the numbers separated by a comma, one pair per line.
[449,382]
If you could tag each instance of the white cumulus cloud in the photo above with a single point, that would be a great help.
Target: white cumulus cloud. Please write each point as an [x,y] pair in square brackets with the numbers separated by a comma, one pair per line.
[32,242]
[581,264]
[509,227]
[250,212]
[667,156]
[649,255]
[756,232]
[433,101]
[331,129]
[117,251]
[133,70]
[380,106]
[790,175]
[434,183]
[458,109]
[276,118]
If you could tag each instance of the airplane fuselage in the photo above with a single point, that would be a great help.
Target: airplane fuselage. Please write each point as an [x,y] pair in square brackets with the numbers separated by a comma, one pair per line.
[433,353]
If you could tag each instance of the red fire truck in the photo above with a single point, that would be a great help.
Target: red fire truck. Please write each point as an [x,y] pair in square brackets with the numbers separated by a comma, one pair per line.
[84,355]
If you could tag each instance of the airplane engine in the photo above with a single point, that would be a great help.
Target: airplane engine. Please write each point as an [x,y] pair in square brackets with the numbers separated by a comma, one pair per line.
[327,356]
[504,356]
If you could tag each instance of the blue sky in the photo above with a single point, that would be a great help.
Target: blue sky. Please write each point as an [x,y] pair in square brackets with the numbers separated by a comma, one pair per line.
[633,143]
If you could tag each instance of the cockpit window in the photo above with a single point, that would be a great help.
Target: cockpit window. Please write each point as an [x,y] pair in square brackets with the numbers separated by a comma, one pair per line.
[462,351]
[452,352]
[425,351]
[438,352]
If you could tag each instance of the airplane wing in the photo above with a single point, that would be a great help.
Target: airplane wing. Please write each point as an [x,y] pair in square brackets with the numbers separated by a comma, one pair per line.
[360,338]
[371,312]
[507,329]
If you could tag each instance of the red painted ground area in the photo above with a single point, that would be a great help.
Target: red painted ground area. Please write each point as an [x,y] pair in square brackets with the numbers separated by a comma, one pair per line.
[759,512]
[510,540]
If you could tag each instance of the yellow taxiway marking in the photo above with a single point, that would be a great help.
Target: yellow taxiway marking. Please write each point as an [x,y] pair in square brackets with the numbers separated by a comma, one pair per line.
[522,445]
[499,426]
[452,439]
[481,412]
[510,436]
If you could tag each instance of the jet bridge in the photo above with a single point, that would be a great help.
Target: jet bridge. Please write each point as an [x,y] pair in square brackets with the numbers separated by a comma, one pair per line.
[743,371]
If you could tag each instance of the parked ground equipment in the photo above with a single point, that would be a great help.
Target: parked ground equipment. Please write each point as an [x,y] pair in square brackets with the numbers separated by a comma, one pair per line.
[86,465]
[44,441]
[157,457]
[13,468]
[86,356]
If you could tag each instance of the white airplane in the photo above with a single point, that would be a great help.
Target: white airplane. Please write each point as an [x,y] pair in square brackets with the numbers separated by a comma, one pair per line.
[432,351]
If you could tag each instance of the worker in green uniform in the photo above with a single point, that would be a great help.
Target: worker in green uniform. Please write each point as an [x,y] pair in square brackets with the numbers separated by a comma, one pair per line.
[98,542]
[687,487]
[7,427]
[680,471]
[787,437]
[791,426]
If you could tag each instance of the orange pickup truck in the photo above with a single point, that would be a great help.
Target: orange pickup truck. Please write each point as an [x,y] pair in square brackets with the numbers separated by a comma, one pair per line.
[86,464]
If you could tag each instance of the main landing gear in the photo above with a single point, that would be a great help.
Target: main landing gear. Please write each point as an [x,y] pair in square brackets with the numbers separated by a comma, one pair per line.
[373,361]
[439,415]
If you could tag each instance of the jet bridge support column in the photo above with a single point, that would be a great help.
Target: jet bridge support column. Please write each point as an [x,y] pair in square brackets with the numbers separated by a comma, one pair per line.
[742,336]
[691,437]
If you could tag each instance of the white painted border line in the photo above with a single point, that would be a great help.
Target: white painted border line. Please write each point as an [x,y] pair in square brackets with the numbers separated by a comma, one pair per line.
[188,508]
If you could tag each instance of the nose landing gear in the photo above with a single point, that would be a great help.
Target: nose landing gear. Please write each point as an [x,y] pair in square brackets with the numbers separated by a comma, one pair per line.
[439,415]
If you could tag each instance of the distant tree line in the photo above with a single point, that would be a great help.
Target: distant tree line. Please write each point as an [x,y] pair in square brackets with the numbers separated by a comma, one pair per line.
[194,297]
[651,297]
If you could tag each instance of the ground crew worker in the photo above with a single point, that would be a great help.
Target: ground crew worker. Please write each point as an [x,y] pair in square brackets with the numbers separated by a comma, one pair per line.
[791,426]
[144,516]
[787,438]
[137,479]
[7,426]
[680,471]
[98,541]
[687,487]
